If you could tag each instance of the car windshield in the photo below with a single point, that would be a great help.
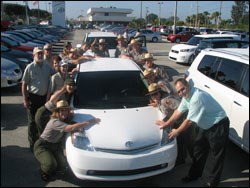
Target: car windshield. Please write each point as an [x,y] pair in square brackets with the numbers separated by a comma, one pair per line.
[110,90]
[111,42]
[194,41]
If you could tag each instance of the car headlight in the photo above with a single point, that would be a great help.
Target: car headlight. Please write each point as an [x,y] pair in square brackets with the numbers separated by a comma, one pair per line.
[165,139]
[81,141]
[184,50]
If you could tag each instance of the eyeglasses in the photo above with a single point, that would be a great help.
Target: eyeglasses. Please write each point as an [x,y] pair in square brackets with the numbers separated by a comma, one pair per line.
[181,90]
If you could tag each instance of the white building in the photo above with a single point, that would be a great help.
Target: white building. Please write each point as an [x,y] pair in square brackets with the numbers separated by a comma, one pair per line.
[110,15]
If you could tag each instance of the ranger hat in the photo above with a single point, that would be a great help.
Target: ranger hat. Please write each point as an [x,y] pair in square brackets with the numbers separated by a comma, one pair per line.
[153,88]
[148,56]
[62,104]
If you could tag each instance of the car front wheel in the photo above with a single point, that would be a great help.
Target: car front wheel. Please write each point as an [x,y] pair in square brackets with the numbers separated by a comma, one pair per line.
[191,59]
[154,39]
[177,40]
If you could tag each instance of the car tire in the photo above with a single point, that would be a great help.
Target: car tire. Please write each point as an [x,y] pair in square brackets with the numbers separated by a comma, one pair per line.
[177,40]
[155,39]
[191,59]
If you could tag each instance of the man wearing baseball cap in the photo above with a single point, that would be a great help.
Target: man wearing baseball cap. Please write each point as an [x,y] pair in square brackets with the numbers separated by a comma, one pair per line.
[35,83]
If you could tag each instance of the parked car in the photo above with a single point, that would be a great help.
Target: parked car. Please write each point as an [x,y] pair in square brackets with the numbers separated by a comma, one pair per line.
[13,44]
[11,74]
[21,40]
[181,53]
[19,57]
[224,74]
[149,34]
[218,43]
[126,144]
[205,30]
[109,37]
[183,36]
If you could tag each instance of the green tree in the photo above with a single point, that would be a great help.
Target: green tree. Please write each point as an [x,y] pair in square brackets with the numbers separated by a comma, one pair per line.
[152,18]
[215,15]
[238,11]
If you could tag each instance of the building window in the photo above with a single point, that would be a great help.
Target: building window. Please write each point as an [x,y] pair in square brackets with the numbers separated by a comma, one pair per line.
[106,14]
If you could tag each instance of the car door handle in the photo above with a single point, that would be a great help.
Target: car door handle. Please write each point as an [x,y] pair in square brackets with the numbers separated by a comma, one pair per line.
[237,103]
[207,86]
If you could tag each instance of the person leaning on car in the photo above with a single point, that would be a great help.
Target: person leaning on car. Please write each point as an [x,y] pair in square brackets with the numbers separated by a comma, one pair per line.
[35,83]
[48,149]
[44,112]
[212,131]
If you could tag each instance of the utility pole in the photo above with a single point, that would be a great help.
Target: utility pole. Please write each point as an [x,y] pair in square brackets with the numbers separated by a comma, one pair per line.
[160,3]
[49,6]
[196,19]
[219,20]
[146,19]
[141,10]
[175,15]
[26,12]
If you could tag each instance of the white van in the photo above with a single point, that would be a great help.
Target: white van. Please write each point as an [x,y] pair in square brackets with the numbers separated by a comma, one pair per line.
[224,74]
[182,53]
[109,37]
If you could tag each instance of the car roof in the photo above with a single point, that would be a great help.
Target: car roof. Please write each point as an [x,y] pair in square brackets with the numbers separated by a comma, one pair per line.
[216,35]
[222,40]
[242,53]
[100,34]
[108,64]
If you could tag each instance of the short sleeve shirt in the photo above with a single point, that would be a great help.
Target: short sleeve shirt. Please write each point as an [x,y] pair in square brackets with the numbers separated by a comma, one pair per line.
[54,130]
[202,109]
[37,77]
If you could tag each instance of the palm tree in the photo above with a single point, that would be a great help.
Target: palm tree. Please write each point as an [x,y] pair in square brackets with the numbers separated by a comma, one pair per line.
[215,16]
[206,14]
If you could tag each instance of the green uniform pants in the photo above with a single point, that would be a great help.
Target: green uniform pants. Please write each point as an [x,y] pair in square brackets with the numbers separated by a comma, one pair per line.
[50,156]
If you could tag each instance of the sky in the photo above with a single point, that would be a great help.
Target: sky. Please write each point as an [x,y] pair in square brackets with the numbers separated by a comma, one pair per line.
[165,8]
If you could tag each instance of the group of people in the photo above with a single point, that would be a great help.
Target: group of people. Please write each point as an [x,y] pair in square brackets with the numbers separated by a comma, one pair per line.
[47,86]
[197,120]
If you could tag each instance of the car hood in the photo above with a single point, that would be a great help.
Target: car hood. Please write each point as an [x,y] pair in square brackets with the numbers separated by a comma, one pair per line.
[182,46]
[8,65]
[122,129]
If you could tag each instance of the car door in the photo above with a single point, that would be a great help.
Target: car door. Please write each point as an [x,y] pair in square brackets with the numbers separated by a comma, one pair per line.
[240,113]
[185,37]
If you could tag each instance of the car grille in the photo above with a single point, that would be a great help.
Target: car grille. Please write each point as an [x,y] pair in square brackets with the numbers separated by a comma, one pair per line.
[126,172]
[127,152]
[175,51]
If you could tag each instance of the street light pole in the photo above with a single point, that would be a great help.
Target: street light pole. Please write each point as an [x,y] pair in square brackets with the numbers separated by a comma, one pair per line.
[160,3]
[146,15]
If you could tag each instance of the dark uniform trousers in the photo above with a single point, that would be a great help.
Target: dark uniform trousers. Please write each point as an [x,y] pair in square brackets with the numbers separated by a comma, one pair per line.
[50,156]
[214,140]
[36,102]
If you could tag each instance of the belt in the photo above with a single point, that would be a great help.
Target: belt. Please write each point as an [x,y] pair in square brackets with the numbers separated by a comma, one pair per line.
[221,121]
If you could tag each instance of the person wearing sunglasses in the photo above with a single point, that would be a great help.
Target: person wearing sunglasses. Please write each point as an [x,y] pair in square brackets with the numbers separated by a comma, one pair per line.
[212,131]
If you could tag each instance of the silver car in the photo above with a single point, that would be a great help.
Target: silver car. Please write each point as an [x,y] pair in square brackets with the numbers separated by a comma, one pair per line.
[11,74]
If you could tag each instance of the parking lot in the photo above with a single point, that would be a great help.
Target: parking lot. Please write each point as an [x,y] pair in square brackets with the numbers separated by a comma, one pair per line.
[19,167]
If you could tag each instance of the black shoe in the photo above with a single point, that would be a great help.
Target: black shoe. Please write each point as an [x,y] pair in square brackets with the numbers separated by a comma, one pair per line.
[46,177]
[188,179]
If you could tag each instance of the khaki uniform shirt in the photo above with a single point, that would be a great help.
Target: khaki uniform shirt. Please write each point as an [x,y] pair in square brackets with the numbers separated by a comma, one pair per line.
[37,77]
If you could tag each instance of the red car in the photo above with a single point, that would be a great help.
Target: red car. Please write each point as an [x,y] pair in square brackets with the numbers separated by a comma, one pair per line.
[11,43]
[183,36]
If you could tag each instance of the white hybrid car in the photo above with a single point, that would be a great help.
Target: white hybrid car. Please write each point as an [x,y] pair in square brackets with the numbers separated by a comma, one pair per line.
[126,144]
[183,53]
